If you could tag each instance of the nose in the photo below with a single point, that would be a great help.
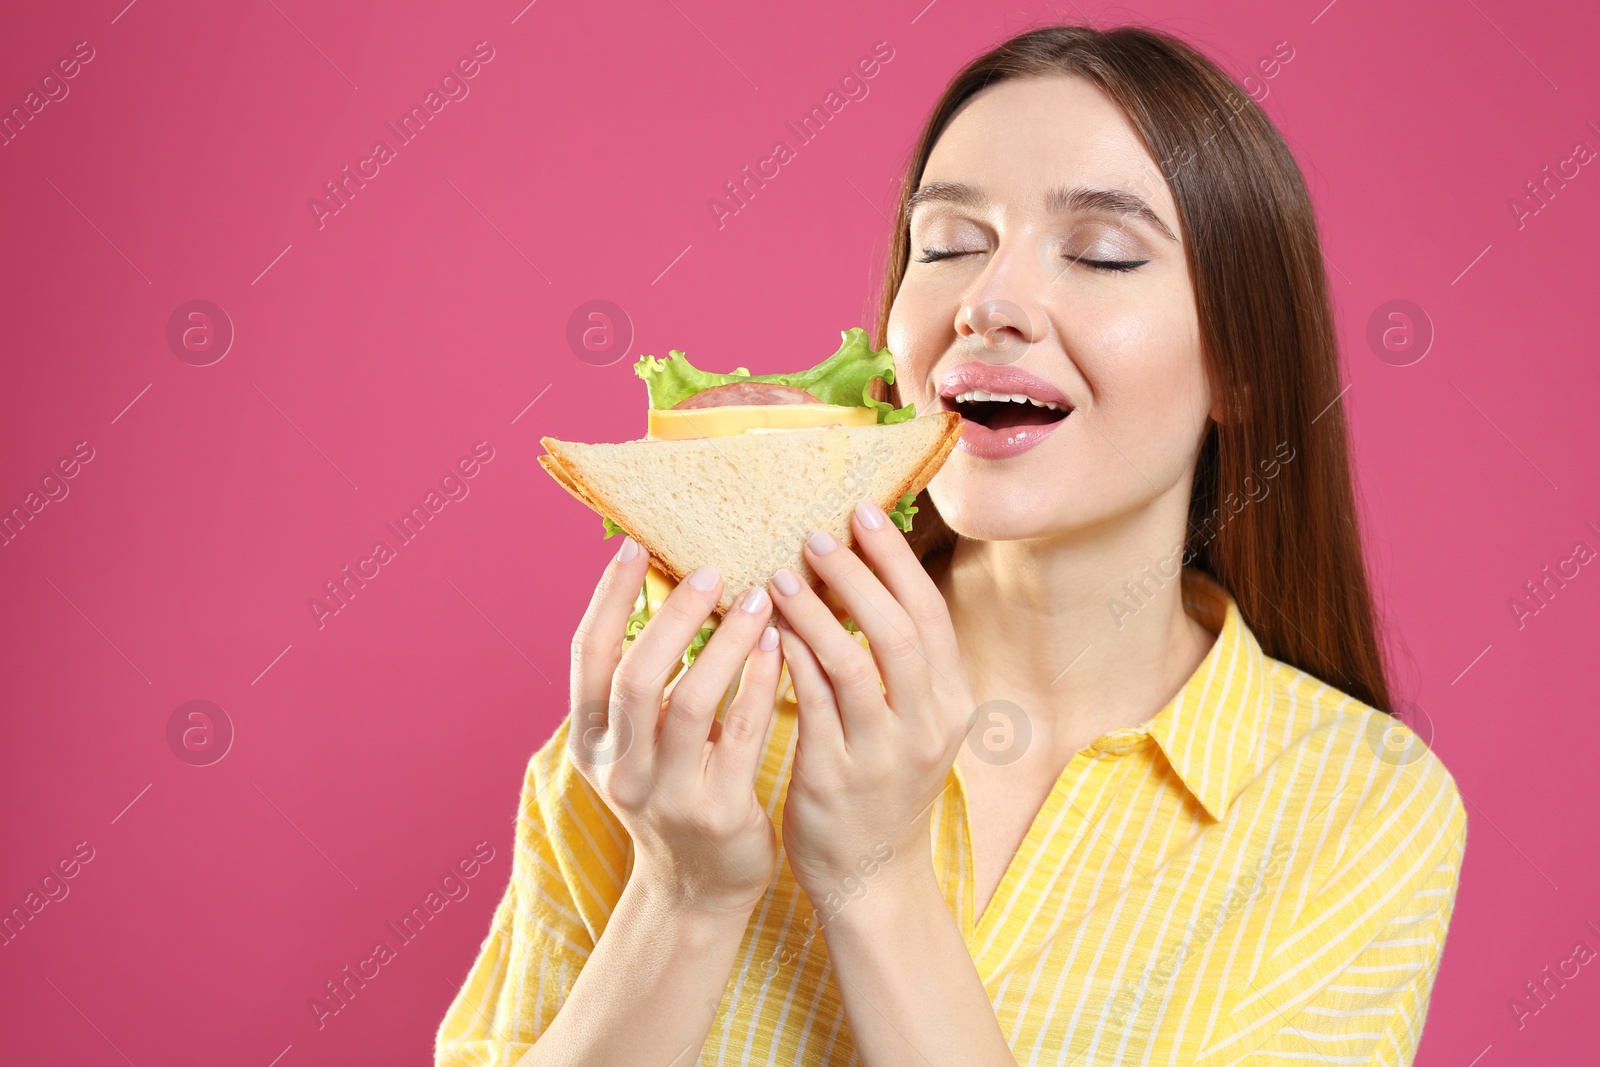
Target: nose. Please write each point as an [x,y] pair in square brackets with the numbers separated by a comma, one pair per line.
[998,329]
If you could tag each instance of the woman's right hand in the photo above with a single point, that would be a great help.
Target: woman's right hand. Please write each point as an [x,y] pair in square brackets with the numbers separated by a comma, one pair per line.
[684,790]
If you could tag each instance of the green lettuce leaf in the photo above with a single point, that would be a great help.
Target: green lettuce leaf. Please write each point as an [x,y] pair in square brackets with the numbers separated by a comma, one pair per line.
[611,528]
[697,645]
[843,378]
[641,615]
[901,515]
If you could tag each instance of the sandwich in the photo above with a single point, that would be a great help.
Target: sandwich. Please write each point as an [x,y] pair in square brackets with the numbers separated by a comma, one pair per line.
[735,469]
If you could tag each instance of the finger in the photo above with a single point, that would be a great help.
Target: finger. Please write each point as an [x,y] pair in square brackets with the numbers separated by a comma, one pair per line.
[692,707]
[820,727]
[597,647]
[907,580]
[642,673]
[892,637]
[849,668]
[739,747]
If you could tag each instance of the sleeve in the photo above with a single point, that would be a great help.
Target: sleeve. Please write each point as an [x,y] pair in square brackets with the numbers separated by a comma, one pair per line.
[1355,988]
[537,942]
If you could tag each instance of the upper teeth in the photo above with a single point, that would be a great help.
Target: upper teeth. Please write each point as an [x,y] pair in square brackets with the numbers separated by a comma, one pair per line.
[1016,398]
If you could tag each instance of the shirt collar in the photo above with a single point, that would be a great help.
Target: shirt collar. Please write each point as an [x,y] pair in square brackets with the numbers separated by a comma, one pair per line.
[1210,729]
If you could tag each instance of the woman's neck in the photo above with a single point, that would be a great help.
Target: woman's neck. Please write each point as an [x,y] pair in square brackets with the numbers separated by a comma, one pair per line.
[1085,633]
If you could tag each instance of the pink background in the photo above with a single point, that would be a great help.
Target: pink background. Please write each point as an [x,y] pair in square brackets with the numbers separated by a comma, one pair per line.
[373,753]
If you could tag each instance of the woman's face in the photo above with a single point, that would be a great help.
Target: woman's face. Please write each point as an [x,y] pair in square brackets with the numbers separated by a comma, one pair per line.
[1012,214]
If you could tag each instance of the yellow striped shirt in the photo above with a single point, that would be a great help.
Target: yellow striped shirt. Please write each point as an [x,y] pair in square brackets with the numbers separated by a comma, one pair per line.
[1262,873]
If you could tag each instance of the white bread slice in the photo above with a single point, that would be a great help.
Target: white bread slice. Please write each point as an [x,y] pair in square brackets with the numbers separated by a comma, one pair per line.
[745,503]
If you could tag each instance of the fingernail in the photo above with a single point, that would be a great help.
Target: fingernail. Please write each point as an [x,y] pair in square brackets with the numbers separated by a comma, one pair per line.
[755,600]
[786,581]
[704,579]
[769,638]
[629,549]
[870,514]
[822,542]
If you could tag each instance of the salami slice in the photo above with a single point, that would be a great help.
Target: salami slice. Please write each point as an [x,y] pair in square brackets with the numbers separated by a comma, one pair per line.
[747,393]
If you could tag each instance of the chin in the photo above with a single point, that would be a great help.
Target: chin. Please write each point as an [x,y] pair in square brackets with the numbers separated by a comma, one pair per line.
[984,507]
[1031,501]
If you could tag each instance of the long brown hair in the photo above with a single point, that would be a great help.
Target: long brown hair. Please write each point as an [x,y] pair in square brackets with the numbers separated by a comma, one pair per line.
[1291,558]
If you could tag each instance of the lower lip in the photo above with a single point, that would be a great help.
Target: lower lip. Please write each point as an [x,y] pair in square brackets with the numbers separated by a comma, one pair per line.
[979,440]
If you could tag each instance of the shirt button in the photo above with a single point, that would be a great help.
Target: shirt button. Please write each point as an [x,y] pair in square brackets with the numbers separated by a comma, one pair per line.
[1118,742]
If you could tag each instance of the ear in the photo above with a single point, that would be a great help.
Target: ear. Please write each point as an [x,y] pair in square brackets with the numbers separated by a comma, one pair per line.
[1229,407]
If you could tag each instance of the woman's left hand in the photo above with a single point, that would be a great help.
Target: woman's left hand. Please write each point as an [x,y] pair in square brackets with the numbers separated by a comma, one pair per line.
[871,758]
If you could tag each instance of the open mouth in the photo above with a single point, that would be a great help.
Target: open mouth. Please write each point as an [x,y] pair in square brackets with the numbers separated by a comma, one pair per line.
[1003,411]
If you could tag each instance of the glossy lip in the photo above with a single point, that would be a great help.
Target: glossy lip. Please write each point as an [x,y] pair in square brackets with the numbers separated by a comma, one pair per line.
[993,379]
[979,440]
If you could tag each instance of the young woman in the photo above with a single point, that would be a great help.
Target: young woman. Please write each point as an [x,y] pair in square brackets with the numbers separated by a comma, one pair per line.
[1114,778]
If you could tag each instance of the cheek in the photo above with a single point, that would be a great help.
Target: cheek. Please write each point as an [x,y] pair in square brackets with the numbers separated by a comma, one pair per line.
[1150,396]
[1143,366]
[916,340]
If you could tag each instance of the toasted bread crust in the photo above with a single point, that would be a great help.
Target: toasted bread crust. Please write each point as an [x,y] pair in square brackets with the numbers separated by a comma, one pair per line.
[552,464]
[919,479]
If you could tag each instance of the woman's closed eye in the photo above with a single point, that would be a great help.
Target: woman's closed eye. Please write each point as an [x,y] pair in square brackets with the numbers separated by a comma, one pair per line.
[930,255]
[1108,264]
[933,255]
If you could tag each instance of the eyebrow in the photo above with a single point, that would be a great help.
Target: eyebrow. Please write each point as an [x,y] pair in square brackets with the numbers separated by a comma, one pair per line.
[1064,199]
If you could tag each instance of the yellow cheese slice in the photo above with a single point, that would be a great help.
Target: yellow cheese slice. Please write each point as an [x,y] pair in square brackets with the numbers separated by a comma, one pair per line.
[680,424]
[657,584]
